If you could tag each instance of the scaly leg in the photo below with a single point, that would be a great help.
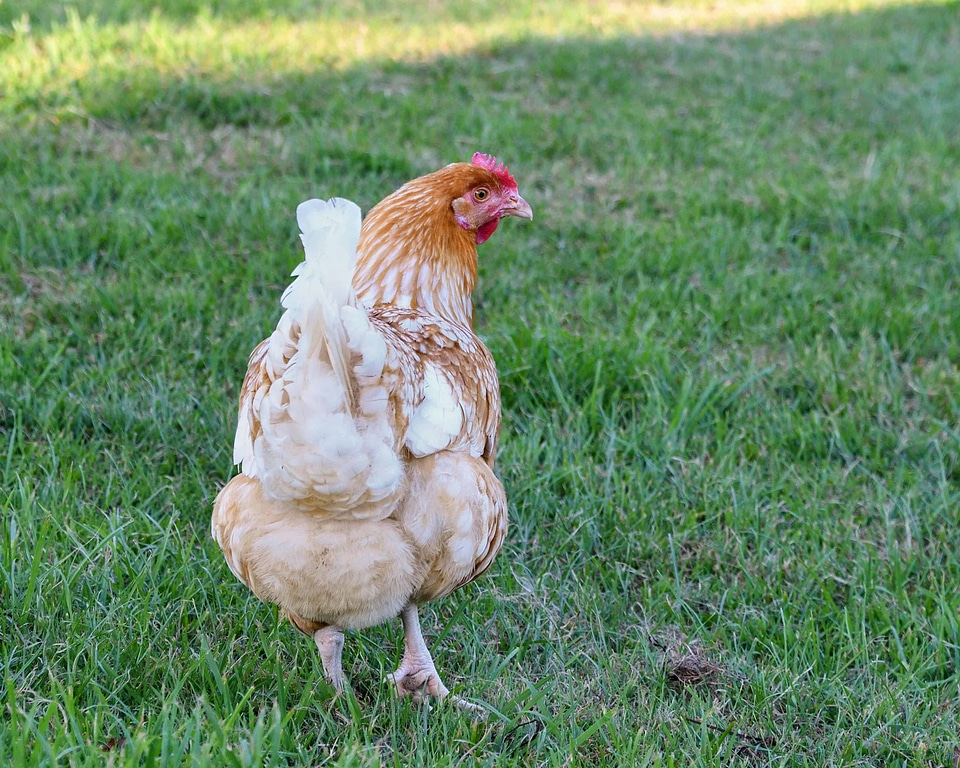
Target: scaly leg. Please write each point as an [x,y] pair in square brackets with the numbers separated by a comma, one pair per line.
[329,642]
[417,676]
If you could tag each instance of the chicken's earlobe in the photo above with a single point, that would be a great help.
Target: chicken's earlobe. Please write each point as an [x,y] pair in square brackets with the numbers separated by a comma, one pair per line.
[461,208]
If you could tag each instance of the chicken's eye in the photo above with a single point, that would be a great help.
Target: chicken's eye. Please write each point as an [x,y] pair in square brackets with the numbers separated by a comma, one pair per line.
[481,194]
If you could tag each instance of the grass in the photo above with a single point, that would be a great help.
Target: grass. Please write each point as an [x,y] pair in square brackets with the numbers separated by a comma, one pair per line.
[729,347]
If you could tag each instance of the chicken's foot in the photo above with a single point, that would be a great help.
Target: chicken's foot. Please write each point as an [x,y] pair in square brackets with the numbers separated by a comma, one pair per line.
[417,675]
[329,640]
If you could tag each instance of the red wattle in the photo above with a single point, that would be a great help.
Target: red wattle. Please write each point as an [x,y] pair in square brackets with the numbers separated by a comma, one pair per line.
[485,230]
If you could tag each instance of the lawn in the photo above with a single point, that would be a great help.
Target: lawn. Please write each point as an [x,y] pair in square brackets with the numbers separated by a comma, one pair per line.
[729,347]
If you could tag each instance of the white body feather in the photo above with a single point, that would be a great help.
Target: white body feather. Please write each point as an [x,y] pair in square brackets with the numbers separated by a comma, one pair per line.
[324,438]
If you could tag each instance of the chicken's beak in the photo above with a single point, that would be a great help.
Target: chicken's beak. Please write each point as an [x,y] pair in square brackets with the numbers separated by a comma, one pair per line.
[517,206]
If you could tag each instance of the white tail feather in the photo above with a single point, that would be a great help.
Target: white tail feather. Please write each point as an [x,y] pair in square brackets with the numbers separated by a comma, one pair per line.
[330,230]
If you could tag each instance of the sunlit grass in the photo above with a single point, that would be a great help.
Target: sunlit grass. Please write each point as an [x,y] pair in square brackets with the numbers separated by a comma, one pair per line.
[55,54]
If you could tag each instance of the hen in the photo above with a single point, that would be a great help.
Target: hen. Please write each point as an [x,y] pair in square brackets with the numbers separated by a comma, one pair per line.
[369,420]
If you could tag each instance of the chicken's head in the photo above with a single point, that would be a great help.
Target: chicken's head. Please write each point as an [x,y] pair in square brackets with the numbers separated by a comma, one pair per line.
[493,196]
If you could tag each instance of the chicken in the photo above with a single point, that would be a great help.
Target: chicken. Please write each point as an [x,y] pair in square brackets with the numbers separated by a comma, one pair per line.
[369,421]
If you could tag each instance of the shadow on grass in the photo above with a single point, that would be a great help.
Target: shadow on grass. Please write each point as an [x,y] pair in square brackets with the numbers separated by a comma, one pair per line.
[802,92]
[830,119]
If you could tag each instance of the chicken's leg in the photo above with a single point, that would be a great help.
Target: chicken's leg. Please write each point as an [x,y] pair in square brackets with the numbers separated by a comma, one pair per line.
[417,675]
[329,640]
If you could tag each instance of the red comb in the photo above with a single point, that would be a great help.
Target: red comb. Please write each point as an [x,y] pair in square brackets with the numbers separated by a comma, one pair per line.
[494,166]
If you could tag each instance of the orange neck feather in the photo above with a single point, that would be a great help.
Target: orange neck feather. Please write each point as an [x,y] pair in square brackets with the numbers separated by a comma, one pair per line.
[412,252]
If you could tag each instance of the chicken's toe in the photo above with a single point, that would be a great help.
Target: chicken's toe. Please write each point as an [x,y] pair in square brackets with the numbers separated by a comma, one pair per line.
[418,680]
